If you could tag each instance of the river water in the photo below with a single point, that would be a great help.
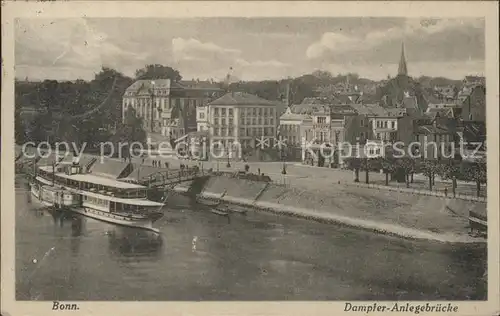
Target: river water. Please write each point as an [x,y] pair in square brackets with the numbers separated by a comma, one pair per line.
[202,256]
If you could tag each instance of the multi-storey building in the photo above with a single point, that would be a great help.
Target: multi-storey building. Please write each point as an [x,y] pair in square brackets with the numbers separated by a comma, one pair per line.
[239,118]
[163,103]
[330,125]
[474,105]
[293,127]
[149,98]
[379,126]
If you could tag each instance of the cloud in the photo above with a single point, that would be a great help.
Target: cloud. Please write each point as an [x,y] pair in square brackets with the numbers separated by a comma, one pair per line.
[261,63]
[197,59]
[333,45]
[189,49]
[67,43]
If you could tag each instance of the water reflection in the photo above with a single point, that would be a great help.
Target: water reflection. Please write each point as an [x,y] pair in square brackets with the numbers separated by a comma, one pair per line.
[131,242]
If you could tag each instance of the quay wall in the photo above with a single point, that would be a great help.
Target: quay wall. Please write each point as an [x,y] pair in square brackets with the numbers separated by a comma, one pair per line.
[389,212]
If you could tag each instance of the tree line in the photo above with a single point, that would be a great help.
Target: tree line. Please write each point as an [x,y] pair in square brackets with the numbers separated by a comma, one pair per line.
[81,111]
[403,169]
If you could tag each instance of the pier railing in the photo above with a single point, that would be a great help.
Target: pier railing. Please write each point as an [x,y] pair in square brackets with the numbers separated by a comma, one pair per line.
[171,177]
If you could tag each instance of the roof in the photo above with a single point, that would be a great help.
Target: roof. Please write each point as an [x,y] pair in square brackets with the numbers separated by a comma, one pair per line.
[474,131]
[241,99]
[311,105]
[431,129]
[106,167]
[437,111]
[377,110]
[90,178]
[196,85]
[148,84]
[289,115]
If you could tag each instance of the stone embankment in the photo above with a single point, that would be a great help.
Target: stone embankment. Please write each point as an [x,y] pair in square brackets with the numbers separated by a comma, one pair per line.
[389,212]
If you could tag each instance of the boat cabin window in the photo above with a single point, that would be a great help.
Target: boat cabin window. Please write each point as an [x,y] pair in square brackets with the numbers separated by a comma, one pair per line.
[101,189]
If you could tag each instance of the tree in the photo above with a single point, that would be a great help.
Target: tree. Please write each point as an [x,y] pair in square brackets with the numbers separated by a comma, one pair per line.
[131,130]
[475,172]
[368,164]
[430,168]
[388,166]
[450,170]
[157,71]
[354,163]
[407,166]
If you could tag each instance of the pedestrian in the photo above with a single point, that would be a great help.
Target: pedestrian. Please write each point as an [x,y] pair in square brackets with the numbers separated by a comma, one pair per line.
[143,160]
[258,170]
[166,164]
[445,191]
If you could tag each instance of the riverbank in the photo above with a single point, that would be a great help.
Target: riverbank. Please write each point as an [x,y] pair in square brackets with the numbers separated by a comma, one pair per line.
[394,213]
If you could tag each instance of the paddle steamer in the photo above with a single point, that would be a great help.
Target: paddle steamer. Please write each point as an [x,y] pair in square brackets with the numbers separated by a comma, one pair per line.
[69,187]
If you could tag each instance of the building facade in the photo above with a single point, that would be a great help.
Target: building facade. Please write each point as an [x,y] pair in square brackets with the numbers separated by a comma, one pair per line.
[166,107]
[236,120]
[149,98]
[474,105]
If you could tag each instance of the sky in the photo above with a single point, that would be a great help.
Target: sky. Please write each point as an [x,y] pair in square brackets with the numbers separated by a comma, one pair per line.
[249,48]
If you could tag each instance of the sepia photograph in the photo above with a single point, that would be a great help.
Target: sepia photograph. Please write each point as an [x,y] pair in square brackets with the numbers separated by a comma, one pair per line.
[251,158]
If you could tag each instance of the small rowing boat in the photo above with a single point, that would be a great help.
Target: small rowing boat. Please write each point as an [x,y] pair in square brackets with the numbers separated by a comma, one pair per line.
[233,209]
[219,212]
[207,202]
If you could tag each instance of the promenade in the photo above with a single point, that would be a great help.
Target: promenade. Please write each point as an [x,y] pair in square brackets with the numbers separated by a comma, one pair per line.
[313,177]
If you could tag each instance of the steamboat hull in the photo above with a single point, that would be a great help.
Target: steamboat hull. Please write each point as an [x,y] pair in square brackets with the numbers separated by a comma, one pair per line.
[122,220]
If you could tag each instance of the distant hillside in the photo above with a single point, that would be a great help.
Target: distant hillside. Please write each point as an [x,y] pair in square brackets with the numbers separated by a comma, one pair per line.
[308,85]
[428,82]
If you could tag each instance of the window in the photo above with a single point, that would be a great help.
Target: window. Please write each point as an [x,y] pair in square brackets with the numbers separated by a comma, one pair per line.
[254,121]
[260,120]
[217,131]
[385,124]
[216,112]
[271,121]
[242,132]
[223,112]
[202,115]
[223,121]
[254,111]
[223,131]
[362,123]
[378,135]
[231,121]
[230,112]
[393,124]
[230,132]
[321,120]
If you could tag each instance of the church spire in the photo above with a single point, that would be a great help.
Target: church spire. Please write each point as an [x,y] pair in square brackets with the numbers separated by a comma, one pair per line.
[402,70]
